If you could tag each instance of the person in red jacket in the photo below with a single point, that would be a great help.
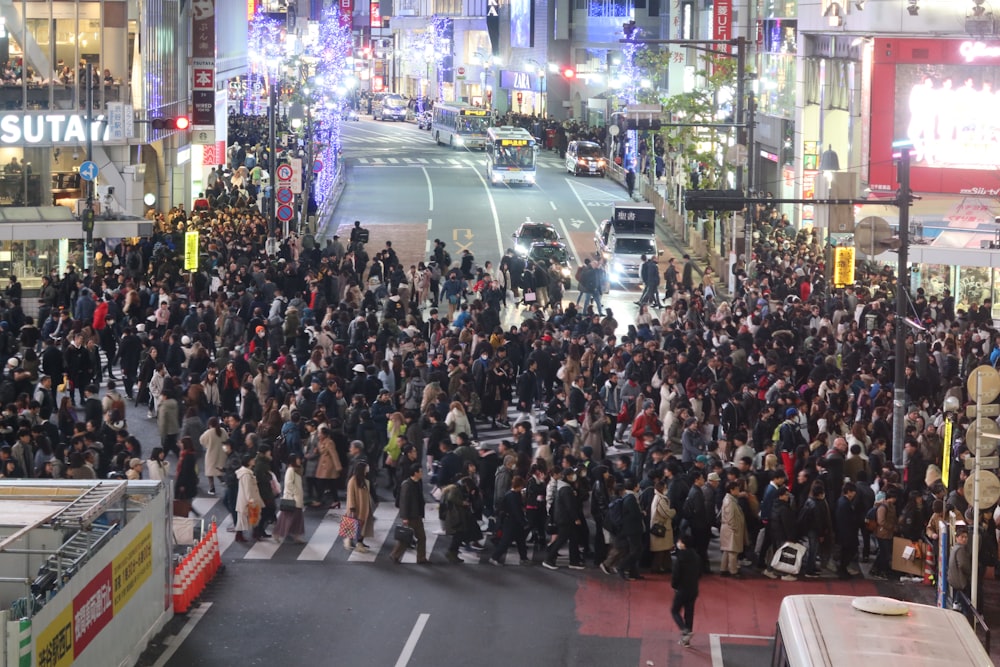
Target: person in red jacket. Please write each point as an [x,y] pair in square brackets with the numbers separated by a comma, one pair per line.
[646,423]
[101,314]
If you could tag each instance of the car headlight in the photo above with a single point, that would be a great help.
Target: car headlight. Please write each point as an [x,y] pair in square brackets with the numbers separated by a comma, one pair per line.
[582,161]
[521,249]
[565,272]
[459,140]
[617,267]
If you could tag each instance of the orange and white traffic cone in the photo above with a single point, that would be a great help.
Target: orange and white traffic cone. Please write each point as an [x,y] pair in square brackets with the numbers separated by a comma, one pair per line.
[178,590]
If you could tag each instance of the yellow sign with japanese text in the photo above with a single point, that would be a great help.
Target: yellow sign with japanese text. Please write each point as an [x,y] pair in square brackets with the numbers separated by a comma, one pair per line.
[190,251]
[54,647]
[843,266]
[132,567]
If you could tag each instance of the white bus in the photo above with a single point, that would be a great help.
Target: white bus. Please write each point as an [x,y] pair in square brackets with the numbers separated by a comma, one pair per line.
[460,125]
[845,631]
[510,155]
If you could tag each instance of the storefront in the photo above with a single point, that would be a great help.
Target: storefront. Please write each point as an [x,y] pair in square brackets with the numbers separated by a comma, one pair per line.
[524,91]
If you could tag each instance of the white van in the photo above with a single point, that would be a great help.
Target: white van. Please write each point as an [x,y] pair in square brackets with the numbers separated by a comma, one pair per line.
[622,241]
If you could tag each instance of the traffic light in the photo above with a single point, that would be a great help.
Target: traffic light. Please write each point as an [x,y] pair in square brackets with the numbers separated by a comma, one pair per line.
[569,73]
[714,200]
[629,29]
[366,52]
[177,123]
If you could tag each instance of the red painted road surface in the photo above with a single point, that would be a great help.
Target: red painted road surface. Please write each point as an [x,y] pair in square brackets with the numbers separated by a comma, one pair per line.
[744,609]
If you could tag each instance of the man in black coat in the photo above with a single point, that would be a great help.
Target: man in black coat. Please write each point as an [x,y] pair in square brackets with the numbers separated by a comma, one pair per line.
[628,541]
[527,393]
[696,520]
[684,580]
[567,520]
[846,524]
[781,525]
[513,524]
[129,354]
[411,513]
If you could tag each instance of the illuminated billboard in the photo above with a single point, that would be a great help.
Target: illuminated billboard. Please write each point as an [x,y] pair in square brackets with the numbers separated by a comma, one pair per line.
[941,95]
[522,24]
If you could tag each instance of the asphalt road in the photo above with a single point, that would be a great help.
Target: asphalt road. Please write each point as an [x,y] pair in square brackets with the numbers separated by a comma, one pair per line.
[318,604]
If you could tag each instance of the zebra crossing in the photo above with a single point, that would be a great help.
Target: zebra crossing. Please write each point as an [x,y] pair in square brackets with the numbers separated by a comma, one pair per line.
[323,544]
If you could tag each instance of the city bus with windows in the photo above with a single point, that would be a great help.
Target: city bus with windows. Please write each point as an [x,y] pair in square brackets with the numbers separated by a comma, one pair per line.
[460,125]
[510,155]
[847,631]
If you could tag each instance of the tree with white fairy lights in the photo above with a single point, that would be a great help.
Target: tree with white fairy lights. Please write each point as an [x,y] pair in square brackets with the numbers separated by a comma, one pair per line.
[265,47]
[334,81]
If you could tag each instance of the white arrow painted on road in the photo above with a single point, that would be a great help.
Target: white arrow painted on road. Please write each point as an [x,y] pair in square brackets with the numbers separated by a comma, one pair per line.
[576,223]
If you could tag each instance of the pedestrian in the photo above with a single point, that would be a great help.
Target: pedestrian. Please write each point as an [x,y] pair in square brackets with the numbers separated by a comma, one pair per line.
[684,581]
[960,562]
[847,525]
[732,530]
[411,513]
[661,529]
[359,507]
[291,522]
[248,500]
[215,458]
[186,483]
[513,524]
[696,518]
[885,530]
[566,520]
[630,182]
[231,481]
[457,515]
[168,421]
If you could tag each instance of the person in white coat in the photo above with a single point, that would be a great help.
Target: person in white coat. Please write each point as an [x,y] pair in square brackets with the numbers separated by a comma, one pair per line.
[291,522]
[158,467]
[247,496]
[215,459]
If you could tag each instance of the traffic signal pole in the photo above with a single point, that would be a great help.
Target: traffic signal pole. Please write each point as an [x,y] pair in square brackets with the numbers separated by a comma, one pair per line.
[902,283]
[88,213]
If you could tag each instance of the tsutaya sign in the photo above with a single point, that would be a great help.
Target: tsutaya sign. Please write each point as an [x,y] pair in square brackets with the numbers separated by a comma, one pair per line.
[44,129]
[971,51]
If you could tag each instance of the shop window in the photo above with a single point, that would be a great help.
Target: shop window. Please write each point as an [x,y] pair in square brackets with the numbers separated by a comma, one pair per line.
[29,260]
[935,278]
[974,286]
[448,7]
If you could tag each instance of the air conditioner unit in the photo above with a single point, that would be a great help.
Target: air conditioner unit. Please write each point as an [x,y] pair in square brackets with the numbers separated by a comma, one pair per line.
[980,26]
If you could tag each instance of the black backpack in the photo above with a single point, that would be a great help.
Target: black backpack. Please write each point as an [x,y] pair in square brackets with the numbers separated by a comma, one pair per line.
[616,515]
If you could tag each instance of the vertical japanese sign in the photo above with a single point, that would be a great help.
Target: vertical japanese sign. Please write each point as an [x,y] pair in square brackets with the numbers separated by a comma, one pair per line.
[722,21]
[190,251]
[843,266]
[346,12]
[203,63]
[376,16]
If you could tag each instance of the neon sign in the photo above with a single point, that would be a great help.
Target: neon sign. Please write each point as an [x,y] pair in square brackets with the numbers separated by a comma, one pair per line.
[975,50]
[51,128]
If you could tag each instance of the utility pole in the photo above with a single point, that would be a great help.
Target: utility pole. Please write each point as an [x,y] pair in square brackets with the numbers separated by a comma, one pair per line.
[272,157]
[902,283]
[751,211]
[88,213]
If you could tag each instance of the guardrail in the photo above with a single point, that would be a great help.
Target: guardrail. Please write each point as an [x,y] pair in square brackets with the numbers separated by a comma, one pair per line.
[975,618]
[324,216]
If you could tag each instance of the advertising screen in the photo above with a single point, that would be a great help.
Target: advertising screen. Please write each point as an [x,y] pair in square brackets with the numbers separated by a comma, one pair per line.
[521,23]
[949,113]
[941,95]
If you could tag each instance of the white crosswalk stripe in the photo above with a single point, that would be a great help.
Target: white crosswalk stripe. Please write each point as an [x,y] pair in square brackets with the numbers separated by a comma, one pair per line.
[323,538]
[385,515]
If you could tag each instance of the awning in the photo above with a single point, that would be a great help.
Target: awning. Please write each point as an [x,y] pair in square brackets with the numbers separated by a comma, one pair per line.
[39,223]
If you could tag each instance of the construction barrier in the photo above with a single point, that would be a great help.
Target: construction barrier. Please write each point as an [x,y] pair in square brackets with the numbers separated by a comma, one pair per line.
[196,570]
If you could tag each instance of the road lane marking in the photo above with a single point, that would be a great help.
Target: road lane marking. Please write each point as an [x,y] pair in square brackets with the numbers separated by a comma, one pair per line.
[569,240]
[427,247]
[493,209]
[385,515]
[715,646]
[430,191]
[552,204]
[411,641]
[194,617]
[586,208]
[393,160]
[429,224]
[322,539]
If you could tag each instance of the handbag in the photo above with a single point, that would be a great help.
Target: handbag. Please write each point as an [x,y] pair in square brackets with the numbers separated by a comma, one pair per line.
[403,534]
[788,559]
[287,505]
[275,487]
[253,514]
[658,530]
[350,527]
[530,296]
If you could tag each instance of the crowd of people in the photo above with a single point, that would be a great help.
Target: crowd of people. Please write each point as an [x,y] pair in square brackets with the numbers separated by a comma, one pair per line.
[295,376]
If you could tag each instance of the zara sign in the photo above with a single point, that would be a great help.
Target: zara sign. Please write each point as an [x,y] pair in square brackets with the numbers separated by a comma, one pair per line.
[514,80]
[50,129]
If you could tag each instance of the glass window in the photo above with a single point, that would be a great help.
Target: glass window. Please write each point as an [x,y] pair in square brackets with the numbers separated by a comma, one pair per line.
[974,286]
[612,8]
[935,279]
[29,260]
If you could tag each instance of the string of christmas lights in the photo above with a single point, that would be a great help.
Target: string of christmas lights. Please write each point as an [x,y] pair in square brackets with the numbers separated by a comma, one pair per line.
[334,83]
[265,46]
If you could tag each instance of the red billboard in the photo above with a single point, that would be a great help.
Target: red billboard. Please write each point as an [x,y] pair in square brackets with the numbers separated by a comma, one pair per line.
[940,95]
[722,21]
[93,609]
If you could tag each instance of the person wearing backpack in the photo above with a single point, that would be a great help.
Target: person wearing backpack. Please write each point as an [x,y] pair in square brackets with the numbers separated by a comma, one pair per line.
[567,521]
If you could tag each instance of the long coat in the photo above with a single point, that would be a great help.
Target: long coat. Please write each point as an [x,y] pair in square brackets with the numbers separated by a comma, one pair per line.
[733,532]
[246,493]
[359,501]
[592,431]
[215,458]
[328,465]
[661,512]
